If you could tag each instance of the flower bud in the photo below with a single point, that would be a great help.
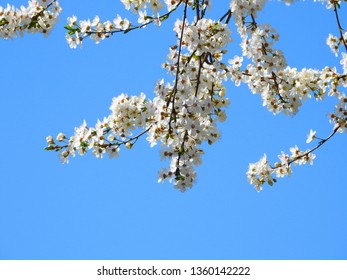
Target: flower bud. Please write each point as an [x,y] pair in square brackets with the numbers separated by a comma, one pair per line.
[61,137]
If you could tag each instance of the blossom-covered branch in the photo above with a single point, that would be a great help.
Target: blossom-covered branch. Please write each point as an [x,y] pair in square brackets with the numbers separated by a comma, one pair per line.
[186,110]
[262,172]
[183,114]
[38,17]
[99,31]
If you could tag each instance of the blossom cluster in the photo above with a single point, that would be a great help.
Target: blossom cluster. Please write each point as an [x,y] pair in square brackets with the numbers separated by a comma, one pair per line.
[195,101]
[334,43]
[262,172]
[136,5]
[339,117]
[183,114]
[282,88]
[127,114]
[40,16]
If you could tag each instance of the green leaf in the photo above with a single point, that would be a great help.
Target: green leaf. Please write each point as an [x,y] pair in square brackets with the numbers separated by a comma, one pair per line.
[196,57]
[68,27]
[216,26]
[3,22]
[33,24]
[84,144]
[72,30]
[179,177]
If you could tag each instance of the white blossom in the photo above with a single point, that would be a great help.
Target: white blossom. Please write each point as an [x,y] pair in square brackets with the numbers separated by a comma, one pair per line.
[311,136]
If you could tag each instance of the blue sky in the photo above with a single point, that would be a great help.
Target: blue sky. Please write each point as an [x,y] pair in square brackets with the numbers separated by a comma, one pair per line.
[114,209]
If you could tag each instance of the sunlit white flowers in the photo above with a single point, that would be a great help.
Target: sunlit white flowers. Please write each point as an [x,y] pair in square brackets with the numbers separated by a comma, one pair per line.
[311,136]
[262,172]
[185,111]
[40,16]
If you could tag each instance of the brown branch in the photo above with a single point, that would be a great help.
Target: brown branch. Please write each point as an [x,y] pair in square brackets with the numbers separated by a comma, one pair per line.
[203,12]
[201,63]
[197,8]
[174,90]
[264,51]
[227,15]
[339,25]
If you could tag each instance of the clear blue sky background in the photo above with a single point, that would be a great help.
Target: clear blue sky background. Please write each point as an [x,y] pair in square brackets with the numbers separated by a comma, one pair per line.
[114,209]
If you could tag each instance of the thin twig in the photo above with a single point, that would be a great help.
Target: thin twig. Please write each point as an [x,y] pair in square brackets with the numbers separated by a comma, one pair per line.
[339,25]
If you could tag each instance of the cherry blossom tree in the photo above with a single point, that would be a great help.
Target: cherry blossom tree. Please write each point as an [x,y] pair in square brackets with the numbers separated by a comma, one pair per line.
[186,110]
